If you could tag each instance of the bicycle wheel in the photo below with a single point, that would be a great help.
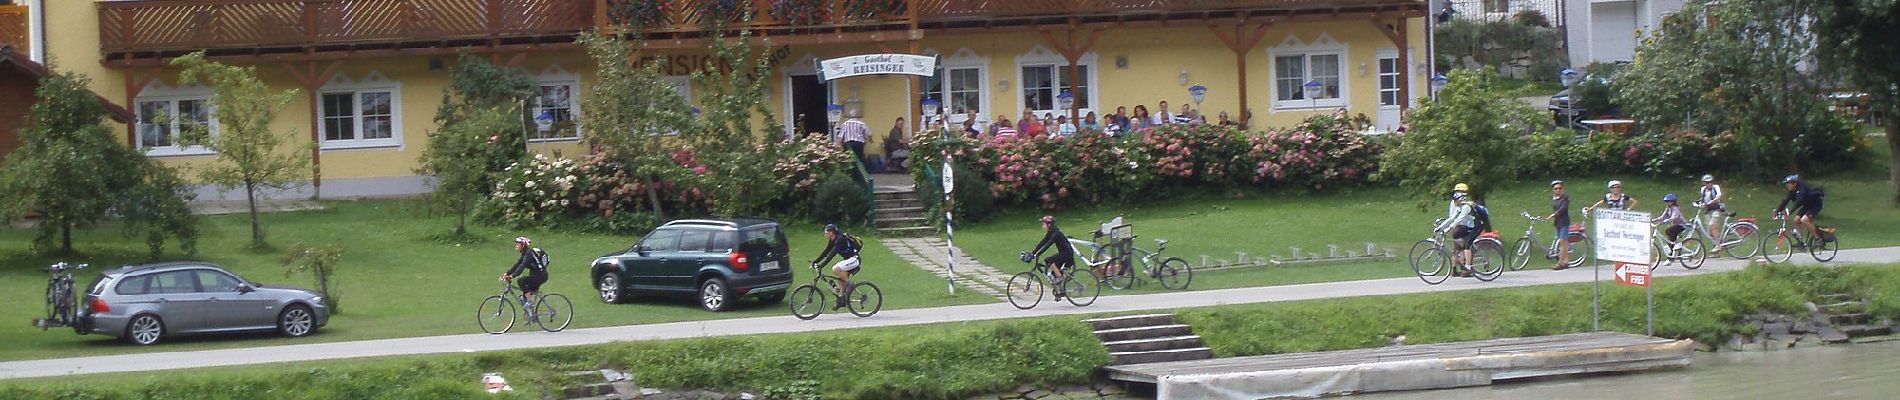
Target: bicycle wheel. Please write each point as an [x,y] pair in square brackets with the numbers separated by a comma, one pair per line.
[1825,248]
[1024,290]
[1780,246]
[1487,259]
[1080,290]
[1580,250]
[52,302]
[807,302]
[1174,273]
[1521,253]
[1693,253]
[865,300]
[553,312]
[1431,264]
[1739,240]
[496,315]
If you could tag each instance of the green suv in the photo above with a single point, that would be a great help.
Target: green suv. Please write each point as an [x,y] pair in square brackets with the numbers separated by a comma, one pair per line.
[716,260]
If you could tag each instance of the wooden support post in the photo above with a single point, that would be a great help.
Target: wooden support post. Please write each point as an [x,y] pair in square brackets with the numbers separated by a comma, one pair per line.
[1242,42]
[1072,52]
[135,82]
[1397,33]
[312,78]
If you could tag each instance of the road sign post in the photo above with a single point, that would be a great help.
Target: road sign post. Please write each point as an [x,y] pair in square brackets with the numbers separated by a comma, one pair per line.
[1624,238]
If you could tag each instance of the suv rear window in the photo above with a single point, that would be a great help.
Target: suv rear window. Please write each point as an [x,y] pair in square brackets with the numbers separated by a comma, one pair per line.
[767,236]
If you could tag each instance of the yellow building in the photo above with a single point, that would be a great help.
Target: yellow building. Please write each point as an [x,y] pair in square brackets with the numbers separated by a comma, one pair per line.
[372,72]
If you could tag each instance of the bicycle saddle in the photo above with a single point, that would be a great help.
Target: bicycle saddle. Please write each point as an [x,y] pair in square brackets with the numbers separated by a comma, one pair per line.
[1161,242]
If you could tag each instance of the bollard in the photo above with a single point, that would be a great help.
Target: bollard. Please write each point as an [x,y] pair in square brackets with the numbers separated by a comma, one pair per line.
[1296,253]
[1204,261]
[1332,250]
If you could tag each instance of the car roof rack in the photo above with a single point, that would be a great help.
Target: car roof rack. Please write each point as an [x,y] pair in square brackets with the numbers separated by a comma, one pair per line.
[728,224]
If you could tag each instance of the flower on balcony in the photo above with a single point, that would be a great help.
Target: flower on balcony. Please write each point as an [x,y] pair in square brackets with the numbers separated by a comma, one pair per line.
[871,9]
[721,10]
[800,12]
[641,13]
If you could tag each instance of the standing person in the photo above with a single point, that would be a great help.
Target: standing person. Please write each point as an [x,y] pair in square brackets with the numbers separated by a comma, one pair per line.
[897,148]
[1615,199]
[1163,117]
[1806,201]
[1141,119]
[854,133]
[1053,239]
[1710,197]
[1089,123]
[845,247]
[1560,216]
[534,263]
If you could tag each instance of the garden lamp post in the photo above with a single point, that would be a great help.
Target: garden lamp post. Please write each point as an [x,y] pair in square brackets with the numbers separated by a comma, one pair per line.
[1438,83]
[1197,93]
[1569,78]
[834,113]
[1312,89]
[931,109]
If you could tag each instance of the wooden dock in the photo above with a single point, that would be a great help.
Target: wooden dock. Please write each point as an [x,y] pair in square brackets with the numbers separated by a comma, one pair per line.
[1412,367]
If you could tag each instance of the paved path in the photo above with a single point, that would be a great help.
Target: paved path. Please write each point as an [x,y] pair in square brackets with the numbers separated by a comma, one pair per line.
[785,324]
[928,254]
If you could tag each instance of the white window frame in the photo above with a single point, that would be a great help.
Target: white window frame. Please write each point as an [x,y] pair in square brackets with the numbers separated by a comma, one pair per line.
[158,91]
[682,84]
[372,83]
[556,76]
[964,59]
[1380,56]
[1042,57]
[1320,46]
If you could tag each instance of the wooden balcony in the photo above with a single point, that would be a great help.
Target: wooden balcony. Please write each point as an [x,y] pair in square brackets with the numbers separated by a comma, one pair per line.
[13,28]
[146,31]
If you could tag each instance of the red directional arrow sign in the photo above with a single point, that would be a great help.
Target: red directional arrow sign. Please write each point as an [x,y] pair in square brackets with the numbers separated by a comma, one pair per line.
[1632,274]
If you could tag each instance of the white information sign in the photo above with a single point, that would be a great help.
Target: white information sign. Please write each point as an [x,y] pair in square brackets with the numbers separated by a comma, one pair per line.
[949,179]
[875,64]
[1623,236]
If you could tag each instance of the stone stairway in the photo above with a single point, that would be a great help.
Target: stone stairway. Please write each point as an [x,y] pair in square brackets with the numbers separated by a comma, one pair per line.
[899,213]
[928,254]
[1148,338]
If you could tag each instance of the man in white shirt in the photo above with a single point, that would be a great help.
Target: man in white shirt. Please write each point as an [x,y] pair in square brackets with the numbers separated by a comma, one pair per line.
[854,133]
[1163,117]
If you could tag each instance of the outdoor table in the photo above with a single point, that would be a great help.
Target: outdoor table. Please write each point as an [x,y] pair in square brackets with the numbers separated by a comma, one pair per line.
[1622,126]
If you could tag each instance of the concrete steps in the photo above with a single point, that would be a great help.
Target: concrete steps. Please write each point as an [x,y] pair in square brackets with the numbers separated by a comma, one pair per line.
[1148,338]
[900,214]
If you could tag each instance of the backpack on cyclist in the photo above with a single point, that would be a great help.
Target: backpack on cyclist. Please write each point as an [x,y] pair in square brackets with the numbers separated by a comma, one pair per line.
[541,258]
[853,241]
[1481,217]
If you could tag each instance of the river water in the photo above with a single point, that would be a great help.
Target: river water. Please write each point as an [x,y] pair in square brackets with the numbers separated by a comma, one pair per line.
[1859,371]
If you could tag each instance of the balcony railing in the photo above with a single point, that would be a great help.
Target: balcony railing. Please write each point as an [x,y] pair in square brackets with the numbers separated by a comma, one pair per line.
[13,27]
[145,28]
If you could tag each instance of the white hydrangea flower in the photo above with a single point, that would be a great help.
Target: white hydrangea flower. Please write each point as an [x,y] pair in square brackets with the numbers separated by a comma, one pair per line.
[529,185]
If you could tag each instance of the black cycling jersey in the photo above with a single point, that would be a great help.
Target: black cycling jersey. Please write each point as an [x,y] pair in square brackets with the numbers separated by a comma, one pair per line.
[841,247]
[1803,196]
[533,261]
[1055,239]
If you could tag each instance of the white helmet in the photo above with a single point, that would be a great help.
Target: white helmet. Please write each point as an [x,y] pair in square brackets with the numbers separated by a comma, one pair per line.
[522,240]
[1708,178]
[1616,184]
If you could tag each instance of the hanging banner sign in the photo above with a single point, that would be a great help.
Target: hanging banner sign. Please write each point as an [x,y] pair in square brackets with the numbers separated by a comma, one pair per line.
[877,64]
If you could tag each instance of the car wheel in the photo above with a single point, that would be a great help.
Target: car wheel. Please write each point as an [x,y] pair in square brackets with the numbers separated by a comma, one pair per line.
[144,330]
[296,321]
[713,295]
[609,287]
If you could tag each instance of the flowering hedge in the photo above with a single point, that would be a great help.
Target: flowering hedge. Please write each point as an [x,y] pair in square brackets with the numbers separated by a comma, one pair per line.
[1090,167]
[534,189]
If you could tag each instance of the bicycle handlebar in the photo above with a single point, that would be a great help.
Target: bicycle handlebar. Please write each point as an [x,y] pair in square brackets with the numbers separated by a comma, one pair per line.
[63,267]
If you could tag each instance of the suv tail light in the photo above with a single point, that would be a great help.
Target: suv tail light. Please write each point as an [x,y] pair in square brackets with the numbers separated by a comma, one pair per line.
[739,261]
[99,306]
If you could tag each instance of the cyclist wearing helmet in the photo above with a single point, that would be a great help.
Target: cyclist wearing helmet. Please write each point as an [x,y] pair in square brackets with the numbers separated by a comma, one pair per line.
[1616,199]
[1560,216]
[533,262]
[842,246]
[1460,223]
[1672,215]
[1806,201]
[1065,253]
[1710,197]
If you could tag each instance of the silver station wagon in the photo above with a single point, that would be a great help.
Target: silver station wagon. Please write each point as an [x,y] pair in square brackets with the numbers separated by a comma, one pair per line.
[145,303]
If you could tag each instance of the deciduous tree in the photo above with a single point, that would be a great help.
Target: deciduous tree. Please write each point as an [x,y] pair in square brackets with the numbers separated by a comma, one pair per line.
[250,155]
[1855,40]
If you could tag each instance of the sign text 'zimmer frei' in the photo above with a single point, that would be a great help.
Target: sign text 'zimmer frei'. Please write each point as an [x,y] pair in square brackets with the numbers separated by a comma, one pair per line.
[875,64]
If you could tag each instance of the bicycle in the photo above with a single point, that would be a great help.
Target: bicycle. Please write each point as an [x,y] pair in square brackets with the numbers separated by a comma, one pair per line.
[1780,246]
[1172,272]
[1486,264]
[1580,246]
[1025,288]
[1687,251]
[863,298]
[60,310]
[497,313]
[1736,235]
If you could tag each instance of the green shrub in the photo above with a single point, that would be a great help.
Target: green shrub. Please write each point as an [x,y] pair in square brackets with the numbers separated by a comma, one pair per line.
[1593,93]
[974,200]
[840,199]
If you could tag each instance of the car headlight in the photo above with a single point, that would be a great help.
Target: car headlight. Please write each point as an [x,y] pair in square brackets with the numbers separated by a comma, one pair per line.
[318,300]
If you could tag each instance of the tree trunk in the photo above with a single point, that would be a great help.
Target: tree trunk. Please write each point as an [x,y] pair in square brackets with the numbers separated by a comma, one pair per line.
[461,224]
[66,236]
[653,197]
[250,196]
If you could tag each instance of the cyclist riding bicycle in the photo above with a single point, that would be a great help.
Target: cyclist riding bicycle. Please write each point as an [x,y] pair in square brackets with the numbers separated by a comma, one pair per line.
[1615,199]
[533,262]
[846,248]
[1461,224]
[1064,256]
[1710,197]
[1806,200]
[1672,215]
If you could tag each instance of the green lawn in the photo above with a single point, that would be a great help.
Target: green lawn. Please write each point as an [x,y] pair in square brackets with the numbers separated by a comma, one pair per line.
[394,280]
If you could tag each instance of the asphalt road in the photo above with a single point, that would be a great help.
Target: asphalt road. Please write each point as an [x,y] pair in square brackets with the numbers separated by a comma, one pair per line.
[785,324]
